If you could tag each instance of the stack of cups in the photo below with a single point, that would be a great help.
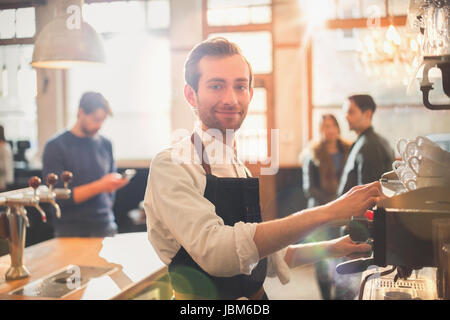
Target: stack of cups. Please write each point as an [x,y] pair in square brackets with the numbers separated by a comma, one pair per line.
[423,164]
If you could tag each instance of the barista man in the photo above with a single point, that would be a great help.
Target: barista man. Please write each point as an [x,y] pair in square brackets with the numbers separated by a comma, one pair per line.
[203,213]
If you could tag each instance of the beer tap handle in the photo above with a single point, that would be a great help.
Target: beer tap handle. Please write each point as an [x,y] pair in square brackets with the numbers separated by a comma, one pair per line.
[35,182]
[57,208]
[23,213]
[38,208]
[66,177]
[51,181]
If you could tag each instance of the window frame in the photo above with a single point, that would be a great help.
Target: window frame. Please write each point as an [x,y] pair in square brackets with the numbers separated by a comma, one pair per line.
[22,5]
[259,80]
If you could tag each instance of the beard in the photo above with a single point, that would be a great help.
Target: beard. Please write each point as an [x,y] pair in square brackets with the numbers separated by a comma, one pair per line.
[210,118]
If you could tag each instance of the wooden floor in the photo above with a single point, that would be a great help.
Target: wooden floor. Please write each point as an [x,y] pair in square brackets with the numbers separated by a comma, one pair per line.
[302,286]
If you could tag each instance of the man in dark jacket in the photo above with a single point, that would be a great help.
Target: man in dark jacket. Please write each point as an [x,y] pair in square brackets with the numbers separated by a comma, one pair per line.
[370,156]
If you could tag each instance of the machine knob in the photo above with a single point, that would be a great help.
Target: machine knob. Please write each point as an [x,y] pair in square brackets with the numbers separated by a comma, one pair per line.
[34,182]
[66,177]
[52,179]
[360,229]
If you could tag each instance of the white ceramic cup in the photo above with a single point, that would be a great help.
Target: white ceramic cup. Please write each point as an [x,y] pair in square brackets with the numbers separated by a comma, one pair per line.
[401,146]
[405,174]
[425,167]
[426,148]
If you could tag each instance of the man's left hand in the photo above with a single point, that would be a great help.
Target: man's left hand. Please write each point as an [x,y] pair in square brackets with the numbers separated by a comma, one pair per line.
[344,246]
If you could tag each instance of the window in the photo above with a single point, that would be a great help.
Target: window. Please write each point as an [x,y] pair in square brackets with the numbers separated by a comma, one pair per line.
[252,136]
[17,23]
[135,79]
[230,13]
[354,9]
[17,78]
[18,93]
[127,16]
[256,46]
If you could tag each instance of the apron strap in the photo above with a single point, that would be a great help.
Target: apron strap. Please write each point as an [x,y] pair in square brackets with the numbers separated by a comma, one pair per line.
[199,148]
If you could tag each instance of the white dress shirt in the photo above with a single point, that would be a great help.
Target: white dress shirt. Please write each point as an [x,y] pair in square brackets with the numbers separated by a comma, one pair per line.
[178,214]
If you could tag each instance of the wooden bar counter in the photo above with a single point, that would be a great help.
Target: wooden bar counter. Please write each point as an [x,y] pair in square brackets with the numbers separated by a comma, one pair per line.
[133,259]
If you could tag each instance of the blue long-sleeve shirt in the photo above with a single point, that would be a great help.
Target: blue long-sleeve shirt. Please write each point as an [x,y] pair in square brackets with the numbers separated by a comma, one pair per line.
[89,159]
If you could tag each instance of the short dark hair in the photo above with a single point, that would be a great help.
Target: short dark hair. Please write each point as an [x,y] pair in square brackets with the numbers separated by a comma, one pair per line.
[219,47]
[91,101]
[364,102]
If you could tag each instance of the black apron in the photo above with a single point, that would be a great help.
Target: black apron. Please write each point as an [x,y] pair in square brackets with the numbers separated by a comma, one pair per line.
[235,200]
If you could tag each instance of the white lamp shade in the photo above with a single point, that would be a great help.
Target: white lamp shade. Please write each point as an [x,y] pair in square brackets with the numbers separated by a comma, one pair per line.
[60,47]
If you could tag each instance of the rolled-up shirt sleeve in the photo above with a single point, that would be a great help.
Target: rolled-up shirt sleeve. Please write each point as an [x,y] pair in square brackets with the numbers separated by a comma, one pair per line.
[277,266]
[178,213]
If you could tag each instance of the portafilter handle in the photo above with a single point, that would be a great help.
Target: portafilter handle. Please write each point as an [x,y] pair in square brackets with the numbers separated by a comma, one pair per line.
[354,266]
[360,229]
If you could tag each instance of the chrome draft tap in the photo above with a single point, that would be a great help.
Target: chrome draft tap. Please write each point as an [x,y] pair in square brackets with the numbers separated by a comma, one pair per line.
[16,215]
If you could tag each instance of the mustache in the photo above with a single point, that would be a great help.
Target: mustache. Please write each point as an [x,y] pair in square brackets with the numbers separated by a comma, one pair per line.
[227,108]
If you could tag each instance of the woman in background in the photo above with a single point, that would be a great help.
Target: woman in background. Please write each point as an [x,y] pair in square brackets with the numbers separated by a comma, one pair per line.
[6,162]
[323,163]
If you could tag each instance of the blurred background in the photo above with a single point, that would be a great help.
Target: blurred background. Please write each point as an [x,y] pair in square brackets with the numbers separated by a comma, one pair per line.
[307,57]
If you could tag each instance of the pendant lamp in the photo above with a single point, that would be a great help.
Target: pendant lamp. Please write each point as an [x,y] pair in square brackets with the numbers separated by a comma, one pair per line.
[67,41]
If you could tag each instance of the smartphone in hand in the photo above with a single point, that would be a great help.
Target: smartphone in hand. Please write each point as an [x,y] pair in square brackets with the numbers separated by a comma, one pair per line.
[128,174]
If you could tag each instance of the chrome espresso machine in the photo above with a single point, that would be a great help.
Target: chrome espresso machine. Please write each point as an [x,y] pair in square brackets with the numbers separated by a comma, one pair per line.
[404,233]
[410,230]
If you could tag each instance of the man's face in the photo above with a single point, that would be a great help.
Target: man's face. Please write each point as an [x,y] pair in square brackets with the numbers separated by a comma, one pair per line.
[91,123]
[357,120]
[223,93]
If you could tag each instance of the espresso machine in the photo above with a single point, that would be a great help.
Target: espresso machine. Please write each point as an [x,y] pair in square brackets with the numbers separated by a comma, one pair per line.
[14,221]
[410,230]
[410,227]
[401,232]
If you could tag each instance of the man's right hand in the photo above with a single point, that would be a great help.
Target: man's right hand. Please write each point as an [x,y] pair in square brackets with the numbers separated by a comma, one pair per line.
[113,181]
[356,201]
[107,183]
